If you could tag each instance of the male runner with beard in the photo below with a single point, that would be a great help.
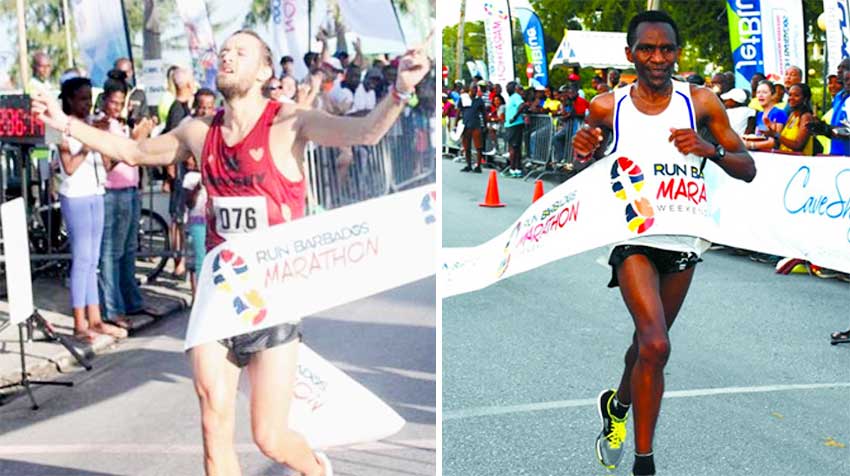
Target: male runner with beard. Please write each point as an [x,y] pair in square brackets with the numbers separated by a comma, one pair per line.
[250,155]
[654,272]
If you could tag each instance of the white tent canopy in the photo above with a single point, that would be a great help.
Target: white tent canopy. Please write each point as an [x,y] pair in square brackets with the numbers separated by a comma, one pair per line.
[593,49]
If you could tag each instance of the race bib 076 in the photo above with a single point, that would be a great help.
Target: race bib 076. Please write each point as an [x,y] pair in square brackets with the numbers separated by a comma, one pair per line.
[240,214]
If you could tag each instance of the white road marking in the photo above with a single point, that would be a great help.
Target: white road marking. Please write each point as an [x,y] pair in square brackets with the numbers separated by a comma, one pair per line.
[533,407]
[162,449]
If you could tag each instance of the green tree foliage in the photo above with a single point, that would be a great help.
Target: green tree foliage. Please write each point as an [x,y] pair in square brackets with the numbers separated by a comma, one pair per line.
[46,29]
[474,45]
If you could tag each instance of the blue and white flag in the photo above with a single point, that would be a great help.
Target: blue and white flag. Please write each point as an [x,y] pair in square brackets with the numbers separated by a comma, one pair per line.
[535,47]
[766,36]
[100,35]
[201,41]
[837,16]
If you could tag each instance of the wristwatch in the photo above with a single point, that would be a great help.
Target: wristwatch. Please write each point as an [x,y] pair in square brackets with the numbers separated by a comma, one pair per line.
[719,153]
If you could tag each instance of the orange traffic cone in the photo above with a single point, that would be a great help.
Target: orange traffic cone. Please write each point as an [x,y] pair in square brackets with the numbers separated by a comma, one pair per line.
[491,197]
[538,190]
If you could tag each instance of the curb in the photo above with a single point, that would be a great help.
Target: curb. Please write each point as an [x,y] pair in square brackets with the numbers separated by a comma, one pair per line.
[62,361]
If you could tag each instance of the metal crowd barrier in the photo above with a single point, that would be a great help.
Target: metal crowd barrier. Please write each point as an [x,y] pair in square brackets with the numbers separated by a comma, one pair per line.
[404,158]
[537,138]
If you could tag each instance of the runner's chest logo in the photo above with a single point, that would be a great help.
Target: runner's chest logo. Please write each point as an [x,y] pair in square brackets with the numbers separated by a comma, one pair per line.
[238,179]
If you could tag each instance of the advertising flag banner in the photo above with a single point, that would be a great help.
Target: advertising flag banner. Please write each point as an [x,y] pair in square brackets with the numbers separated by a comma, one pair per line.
[796,206]
[535,47]
[837,17]
[201,41]
[497,28]
[295,269]
[766,36]
[289,24]
[372,18]
[100,35]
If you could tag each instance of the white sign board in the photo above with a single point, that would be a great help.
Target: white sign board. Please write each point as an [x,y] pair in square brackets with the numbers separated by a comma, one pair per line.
[154,80]
[16,252]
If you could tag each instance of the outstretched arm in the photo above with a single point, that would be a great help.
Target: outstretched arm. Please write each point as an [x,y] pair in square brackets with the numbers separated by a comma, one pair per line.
[161,150]
[334,131]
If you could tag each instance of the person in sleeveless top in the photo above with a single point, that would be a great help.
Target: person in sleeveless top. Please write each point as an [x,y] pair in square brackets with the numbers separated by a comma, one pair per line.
[653,272]
[250,153]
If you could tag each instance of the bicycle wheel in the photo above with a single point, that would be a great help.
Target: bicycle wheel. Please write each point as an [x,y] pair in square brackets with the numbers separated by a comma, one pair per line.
[154,244]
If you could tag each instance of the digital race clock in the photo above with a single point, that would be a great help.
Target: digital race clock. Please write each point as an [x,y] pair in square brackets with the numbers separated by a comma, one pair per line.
[18,124]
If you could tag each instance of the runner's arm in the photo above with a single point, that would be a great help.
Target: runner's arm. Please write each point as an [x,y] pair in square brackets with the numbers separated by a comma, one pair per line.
[737,163]
[161,150]
[340,131]
[325,129]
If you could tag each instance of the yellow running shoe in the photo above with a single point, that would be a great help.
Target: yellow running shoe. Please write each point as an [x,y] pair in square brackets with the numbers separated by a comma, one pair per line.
[609,443]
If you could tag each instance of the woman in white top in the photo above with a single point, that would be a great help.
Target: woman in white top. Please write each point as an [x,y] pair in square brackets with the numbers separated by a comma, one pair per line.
[81,197]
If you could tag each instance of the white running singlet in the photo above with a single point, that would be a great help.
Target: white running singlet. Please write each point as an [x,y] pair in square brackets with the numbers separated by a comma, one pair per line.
[634,130]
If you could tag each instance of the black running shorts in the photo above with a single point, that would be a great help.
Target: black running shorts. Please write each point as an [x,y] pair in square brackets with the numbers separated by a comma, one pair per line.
[244,346]
[665,261]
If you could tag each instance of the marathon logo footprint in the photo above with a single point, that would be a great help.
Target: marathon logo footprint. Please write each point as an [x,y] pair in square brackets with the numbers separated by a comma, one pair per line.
[230,274]
[626,183]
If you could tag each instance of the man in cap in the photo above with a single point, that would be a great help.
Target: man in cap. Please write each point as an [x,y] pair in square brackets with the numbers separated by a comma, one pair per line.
[740,115]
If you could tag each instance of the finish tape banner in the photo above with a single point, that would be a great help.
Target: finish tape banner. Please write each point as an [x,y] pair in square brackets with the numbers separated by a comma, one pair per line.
[307,266]
[766,36]
[330,409]
[797,206]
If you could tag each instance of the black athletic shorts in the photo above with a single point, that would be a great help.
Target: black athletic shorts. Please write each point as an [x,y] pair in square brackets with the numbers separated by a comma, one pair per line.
[244,346]
[513,136]
[665,261]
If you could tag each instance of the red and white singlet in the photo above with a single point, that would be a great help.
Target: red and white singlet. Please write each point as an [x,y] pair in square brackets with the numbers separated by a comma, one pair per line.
[246,190]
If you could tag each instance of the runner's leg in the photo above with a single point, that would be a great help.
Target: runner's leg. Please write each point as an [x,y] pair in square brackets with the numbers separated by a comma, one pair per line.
[272,375]
[215,380]
[674,288]
[640,288]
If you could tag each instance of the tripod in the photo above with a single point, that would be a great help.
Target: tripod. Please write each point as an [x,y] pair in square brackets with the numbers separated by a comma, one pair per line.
[36,320]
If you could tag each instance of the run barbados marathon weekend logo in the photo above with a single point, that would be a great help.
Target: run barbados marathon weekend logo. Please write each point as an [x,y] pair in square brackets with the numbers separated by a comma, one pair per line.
[627,183]
[681,189]
[230,275]
[797,200]
[529,235]
[300,259]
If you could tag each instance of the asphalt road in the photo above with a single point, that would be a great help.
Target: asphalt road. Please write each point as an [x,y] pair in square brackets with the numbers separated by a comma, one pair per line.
[754,388]
[136,412]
